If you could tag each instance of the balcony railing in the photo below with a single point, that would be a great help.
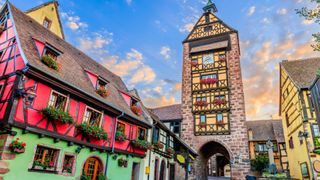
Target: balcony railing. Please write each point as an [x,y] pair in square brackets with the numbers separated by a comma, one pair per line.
[218,128]
[216,105]
[204,67]
[202,87]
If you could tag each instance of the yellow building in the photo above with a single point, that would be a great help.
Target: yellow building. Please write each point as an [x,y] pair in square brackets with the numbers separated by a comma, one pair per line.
[259,132]
[298,116]
[47,14]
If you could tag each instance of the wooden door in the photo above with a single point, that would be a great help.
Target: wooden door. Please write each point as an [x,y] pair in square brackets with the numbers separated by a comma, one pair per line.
[172,171]
[135,171]
[162,171]
[92,168]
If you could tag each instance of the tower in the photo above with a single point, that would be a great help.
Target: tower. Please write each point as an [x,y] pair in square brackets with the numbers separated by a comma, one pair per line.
[213,106]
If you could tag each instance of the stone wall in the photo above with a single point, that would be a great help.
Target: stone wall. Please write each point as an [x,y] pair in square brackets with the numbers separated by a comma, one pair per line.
[236,143]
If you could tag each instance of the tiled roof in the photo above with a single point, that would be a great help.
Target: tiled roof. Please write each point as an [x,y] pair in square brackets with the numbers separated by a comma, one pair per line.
[302,72]
[262,130]
[165,113]
[72,61]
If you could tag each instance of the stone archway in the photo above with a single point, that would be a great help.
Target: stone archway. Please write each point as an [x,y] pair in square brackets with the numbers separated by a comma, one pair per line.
[213,156]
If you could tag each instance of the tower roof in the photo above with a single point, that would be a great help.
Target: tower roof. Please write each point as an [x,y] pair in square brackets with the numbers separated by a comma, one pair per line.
[210,7]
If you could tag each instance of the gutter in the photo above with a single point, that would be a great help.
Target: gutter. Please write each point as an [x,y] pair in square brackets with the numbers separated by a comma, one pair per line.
[113,139]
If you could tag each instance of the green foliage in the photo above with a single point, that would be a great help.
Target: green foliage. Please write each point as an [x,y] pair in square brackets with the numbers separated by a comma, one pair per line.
[101,177]
[103,92]
[120,136]
[317,142]
[16,144]
[58,115]
[95,132]
[312,15]
[84,177]
[51,63]
[276,176]
[46,164]
[260,163]
[142,144]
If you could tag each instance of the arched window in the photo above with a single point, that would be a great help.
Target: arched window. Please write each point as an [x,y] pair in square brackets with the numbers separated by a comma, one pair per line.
[162,170]
[92,168]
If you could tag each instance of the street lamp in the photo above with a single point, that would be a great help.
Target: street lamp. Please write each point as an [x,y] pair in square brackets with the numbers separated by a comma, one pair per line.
[27,93]
[302,135]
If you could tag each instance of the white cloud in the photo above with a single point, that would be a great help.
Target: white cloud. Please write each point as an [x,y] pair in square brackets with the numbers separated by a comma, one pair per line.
[165,52]
[186,28]
[143,74]
[266,20]
[282,11]
[96,42]
[73,22]
[251,11]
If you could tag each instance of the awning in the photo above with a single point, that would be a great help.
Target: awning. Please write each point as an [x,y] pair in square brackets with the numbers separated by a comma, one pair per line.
[212,46]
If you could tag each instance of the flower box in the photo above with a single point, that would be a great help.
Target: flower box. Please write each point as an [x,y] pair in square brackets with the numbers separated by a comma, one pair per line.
[209,81]
[57,115]
[158,145]
[50,62]
[44,165]
[120,136]
[141,144]
[137,110]
[92,131]
[103,92]
[220,102]
[201,103]
[170,151]
[17,147]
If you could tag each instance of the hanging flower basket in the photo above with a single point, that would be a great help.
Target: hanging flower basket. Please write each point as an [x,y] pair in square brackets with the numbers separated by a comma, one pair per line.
[141,144]
[120,136]
[170,151]
[17,147]
[201,103]
[120,162]
[158,145]
[220,102]
[208,81]
[57,115]
[103,92]
[92,131]
[50,62]
[137,110]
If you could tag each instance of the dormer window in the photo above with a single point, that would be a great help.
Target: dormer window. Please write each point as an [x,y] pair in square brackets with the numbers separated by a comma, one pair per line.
[46,23]
[49,57]
[101,88]
[135,108]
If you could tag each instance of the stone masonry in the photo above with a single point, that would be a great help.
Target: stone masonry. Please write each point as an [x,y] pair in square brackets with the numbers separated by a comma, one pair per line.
[236,143]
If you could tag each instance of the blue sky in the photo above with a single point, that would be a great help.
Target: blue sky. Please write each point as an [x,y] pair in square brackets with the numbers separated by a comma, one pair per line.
[141,40]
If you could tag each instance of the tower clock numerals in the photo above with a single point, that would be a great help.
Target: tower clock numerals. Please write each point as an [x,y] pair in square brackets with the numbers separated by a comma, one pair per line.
[208,59]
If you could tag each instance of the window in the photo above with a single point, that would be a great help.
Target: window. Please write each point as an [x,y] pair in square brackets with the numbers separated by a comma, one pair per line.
[93,117]
[68,164]
[49,51]
[92,168]
[210,76]
[175,127]
[201,99]
[101,84]
[220,97]
[287,120]
[155,135]
[315,130]
[121,127]
[291,145]
[219,118]
[261,148]
[208,58]
[304,170]
[203,119]
[46,23]
[311,104]
[142,134]
[58,100]
[45,157]
[207,18]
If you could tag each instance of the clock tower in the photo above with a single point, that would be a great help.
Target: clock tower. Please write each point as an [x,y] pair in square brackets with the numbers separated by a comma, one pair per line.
[213,106]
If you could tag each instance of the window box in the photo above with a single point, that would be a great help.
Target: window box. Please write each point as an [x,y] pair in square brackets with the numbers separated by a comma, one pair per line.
[158,145]
[17,147]
[141,144]
[92,131]
[103,92]
[220,102]
[120,136]
[209,81]
[50,62]
[170,151]
[59,115]
[201,103]
[137,110]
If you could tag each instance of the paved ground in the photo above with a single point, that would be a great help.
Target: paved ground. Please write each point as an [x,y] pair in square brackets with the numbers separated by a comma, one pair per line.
[217,178]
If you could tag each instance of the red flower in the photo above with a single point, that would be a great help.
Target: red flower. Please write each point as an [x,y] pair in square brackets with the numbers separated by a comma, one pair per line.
[10,145]
[15,142]
[23,144]
[18,139]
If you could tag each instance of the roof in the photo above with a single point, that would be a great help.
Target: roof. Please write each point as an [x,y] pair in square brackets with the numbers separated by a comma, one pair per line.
[302,72]
[263,130]
[166,113]
[73,62]
[56,4]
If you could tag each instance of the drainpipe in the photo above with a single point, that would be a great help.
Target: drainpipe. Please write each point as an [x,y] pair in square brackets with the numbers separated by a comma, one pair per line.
[113,139]
[150,150]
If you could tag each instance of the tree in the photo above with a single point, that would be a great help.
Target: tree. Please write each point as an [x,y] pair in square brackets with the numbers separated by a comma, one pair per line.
[260,163]
[312,14]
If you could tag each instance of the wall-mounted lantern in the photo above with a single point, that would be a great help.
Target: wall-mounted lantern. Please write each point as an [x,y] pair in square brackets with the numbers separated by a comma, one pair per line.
[27,93]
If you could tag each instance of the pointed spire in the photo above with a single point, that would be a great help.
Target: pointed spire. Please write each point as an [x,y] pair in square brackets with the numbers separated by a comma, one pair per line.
[210,7]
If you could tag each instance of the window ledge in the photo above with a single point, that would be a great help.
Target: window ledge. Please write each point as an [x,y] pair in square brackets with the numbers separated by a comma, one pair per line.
[43,171]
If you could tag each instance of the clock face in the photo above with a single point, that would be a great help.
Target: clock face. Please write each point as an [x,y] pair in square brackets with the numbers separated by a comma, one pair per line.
[207,59]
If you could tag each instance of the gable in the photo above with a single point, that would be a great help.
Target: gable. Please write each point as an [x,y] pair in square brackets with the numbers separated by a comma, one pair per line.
[208,25]
[48,11]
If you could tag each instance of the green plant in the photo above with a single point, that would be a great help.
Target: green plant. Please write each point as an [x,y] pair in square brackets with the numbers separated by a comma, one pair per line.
[276,176]
[16,146]
[50,62]
[158,145]
[120,136]
[93,131]
[46,164]
[137,110]
[316,142]
[101,177]
[142,144]
[103,92]
[170,151]
[84,177]
[260,163]
[57,115]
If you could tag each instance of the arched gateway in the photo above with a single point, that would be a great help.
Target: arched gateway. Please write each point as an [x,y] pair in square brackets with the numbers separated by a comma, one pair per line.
[213,108]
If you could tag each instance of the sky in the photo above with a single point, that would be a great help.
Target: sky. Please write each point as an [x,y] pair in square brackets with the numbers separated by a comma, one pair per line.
[141,41]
